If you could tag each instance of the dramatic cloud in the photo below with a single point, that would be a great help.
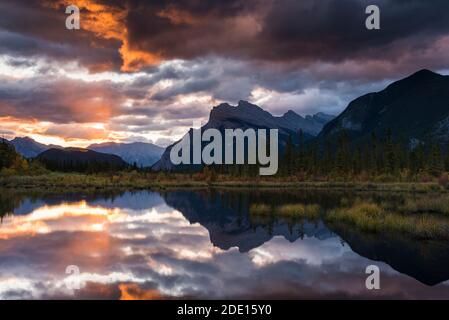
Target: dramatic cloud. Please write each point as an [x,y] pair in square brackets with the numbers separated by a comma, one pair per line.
[145,70]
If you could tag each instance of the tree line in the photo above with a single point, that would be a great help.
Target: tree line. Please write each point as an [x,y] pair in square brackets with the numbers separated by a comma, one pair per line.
[11,163]
[380,158]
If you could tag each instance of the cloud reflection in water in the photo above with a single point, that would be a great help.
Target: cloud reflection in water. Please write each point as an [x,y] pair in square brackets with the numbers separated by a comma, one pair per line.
[127,250]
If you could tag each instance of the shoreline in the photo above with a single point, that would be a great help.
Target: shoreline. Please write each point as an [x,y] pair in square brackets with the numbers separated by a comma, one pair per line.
[419,210]
[57,182]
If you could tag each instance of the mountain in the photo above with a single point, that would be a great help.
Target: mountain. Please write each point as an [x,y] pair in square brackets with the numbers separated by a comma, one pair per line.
[414,109]
[27,147]
[76,159]
[311,125]
[246,115]
[143,154]
[230,227]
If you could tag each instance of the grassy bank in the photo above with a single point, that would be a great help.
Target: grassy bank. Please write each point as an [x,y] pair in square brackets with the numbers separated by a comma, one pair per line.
[134,180]
[419,216]
[420,210]
[298,210]
[73,181]
[372,217]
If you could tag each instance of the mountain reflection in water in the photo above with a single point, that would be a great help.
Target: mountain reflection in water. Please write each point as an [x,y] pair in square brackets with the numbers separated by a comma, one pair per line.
[202,244]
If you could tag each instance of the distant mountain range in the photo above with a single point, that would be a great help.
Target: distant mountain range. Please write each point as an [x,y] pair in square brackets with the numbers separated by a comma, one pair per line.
[414,109]
[246,115]
[143,154]
[29,148]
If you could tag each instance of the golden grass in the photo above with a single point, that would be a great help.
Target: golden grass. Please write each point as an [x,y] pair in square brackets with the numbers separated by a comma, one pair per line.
[260,209]
[309,211]
[438,204]
[371,217]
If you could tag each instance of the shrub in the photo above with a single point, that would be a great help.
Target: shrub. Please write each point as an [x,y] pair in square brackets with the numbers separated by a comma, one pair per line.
[310,211]
[372,218]
[259,209]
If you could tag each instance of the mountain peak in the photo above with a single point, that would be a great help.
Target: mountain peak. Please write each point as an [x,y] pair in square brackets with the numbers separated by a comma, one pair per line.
[422,75]
[412,108]
[426,73]
[28,139]
[292,116]
[244,110]
[249,116]
[414,81]
[27,147]
[246,104]
[290,113]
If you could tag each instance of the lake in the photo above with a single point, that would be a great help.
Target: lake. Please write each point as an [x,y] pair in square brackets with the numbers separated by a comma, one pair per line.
[203,244]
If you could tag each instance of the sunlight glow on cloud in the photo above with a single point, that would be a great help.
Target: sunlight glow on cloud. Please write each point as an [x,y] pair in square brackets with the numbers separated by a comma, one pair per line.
[172,62]
[64,217]
[108,21]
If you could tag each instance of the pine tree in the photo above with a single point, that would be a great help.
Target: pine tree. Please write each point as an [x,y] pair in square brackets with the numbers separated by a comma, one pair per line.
[390,155]
[289,156]
[8,154]
[342,154]
[300,161]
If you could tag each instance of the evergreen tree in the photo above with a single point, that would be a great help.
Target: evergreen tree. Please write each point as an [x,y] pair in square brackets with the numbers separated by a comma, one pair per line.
[342,154]
[8,154]
[289,156]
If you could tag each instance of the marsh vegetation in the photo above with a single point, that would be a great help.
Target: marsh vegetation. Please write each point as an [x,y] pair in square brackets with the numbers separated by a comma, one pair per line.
[422,216]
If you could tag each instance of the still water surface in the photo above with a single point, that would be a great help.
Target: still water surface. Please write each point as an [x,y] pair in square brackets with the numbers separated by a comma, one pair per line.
[201,244]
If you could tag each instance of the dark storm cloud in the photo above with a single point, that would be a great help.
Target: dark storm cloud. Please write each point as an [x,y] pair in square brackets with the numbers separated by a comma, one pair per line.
[191,86]
[306,55]
[147,125]
[273,30]
[335,30]
[289,30]
[30,29]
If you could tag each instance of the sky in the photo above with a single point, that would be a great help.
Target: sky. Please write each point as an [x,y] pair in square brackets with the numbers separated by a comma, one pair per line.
[145,70]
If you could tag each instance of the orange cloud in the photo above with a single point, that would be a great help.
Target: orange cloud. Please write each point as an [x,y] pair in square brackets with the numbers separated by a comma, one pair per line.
[76,131]
[19,127]
[72,134]
[108,22]
[134,60]
[132,291]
